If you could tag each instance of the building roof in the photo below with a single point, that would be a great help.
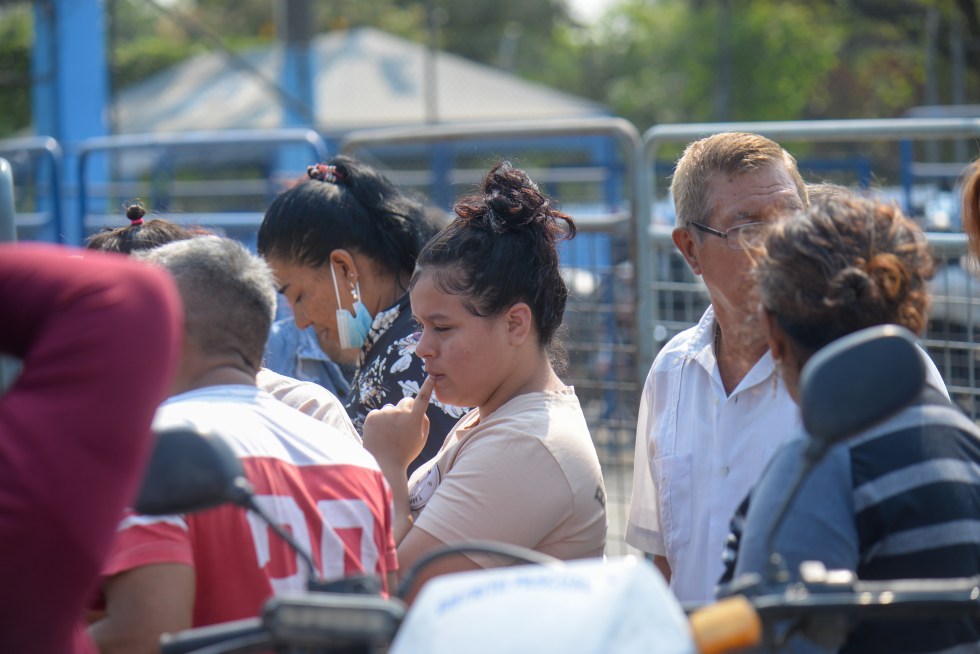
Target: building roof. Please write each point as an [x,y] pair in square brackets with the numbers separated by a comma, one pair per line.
[364,78]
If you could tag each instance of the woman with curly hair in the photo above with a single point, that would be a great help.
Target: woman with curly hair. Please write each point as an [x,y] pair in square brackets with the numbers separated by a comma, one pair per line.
[901,499]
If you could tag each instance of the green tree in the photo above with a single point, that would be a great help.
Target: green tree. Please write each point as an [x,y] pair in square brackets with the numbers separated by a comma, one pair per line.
[887,53]
[656,62]
[515,34]
[16,39]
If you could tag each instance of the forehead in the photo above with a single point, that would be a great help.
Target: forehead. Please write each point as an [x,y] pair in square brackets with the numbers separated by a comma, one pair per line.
[429,301]
[751,196]
[292,274]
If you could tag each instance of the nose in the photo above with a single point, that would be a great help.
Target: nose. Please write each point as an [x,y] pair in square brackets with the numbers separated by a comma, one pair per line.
[300,318]
[423,347]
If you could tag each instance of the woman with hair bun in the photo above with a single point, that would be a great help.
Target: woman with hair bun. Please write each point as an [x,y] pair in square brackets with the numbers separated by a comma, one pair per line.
[139,234]
[342,245]
[901,499]
[521,467]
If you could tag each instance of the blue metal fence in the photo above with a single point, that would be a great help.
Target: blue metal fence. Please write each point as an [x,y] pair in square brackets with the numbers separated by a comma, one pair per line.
[629,289]
[36,165]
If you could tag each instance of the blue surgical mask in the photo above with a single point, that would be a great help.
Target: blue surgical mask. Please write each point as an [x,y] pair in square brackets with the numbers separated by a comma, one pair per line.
[352,330]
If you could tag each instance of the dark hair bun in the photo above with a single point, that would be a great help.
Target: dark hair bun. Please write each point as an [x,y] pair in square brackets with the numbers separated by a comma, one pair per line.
[135,213]
[513,198]
[511,202]
[850,285]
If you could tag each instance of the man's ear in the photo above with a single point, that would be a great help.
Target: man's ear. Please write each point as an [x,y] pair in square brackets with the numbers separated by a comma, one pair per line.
[519,323]
[688,247]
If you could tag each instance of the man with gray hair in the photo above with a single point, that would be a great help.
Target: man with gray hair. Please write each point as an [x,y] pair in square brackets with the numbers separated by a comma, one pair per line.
[713,408]
[174,572]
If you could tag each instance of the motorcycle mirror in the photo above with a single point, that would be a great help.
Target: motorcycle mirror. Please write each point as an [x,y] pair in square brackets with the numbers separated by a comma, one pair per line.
[857,381]
[191,471]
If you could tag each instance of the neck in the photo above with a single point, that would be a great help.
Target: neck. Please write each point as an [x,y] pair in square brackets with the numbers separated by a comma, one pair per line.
[381,293]
[213,371]
[738,347]
[533,374]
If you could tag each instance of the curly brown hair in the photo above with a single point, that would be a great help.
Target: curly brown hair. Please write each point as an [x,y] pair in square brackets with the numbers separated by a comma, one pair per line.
[844,264]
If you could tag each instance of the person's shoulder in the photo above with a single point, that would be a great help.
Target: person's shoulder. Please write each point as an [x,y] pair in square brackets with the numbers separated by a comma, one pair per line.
[224,409]
[393,326]
[280,386]
[685,344]
[536,405]
[543,417]
[309,441]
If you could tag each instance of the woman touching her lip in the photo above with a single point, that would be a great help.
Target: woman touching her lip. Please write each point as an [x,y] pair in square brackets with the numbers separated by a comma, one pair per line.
[521,467]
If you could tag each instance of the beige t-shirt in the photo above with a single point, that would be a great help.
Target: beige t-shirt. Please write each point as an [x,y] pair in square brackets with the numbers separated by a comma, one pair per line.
[312,399]
[527,474]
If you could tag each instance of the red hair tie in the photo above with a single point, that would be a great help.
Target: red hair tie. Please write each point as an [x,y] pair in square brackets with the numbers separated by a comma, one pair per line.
[325,173]
[135,214]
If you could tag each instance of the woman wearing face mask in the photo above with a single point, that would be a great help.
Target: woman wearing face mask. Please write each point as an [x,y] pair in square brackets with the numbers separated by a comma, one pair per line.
[342,245]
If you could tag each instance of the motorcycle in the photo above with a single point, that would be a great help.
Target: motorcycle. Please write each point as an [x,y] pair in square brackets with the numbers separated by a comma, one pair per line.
[617,605]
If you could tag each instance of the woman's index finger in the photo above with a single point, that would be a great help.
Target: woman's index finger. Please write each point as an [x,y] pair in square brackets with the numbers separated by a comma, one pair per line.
[425,395]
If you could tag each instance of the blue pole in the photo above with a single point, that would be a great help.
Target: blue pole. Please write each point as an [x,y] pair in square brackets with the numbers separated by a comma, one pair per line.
[70,90]
[297,75]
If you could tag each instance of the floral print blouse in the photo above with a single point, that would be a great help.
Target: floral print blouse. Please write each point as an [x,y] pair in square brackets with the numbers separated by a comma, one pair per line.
[390,371]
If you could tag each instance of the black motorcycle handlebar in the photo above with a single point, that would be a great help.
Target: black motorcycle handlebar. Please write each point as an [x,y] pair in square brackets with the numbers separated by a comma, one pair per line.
[239,633]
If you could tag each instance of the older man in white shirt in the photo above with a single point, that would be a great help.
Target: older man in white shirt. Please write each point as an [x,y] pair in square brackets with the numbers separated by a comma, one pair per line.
[714,408]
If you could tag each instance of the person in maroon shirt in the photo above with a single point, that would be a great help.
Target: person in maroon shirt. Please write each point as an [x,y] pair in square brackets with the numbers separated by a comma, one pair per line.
[98,337]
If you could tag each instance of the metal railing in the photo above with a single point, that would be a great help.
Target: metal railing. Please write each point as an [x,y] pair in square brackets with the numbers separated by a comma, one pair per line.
[8,232]
[155,156]
[630,290]
[8,226]
[670,299]
[46,211]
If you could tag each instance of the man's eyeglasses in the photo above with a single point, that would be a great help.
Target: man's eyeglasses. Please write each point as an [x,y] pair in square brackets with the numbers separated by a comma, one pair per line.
[738,237]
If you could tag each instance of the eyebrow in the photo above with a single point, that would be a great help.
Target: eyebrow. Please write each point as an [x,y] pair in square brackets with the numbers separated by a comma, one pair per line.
[435,316]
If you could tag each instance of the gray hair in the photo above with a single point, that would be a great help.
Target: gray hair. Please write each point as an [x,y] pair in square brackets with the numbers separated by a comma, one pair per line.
[229,294]
[728,153]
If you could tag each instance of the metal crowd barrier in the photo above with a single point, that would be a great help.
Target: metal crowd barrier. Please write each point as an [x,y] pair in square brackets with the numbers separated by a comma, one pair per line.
[8,232]
[670,299]
[8,227]
[630,290]
[40,216]
[146,166]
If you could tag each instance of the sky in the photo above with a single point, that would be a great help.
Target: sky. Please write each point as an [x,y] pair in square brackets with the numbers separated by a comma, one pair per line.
[588,10]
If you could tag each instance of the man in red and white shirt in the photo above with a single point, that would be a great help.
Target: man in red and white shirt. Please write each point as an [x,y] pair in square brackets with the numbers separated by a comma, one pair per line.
[173,572]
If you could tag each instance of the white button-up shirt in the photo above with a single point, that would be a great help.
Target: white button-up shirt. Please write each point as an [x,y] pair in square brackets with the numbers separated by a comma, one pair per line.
[698,453]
